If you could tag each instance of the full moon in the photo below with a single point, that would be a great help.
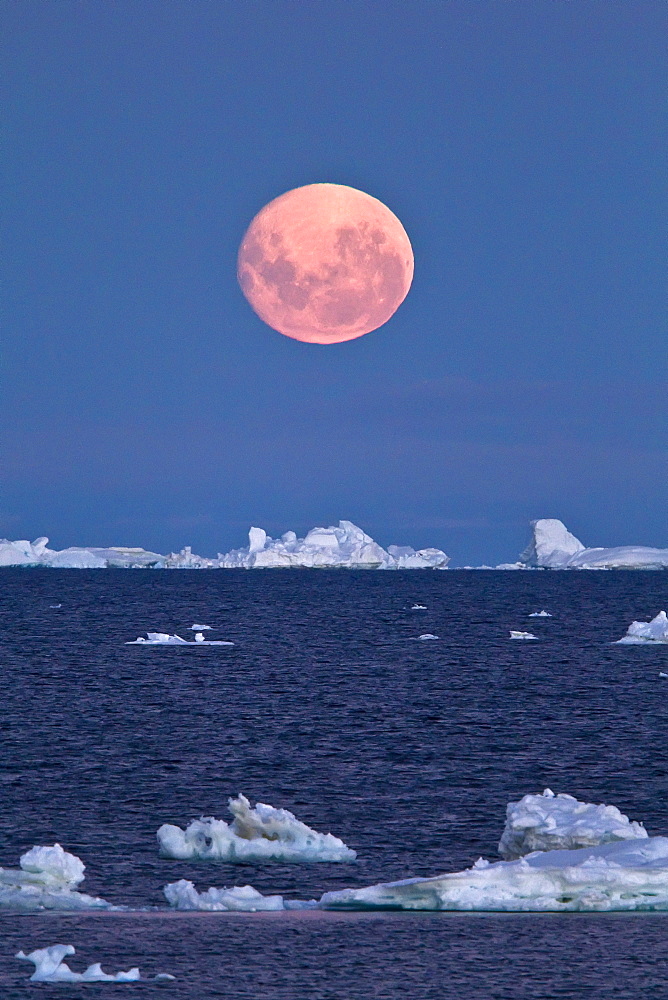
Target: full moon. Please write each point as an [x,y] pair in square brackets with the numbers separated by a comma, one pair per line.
[325,263]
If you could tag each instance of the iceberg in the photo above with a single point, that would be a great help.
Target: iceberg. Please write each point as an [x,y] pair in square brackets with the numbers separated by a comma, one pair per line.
[322,548]
[621,876]
[256,834]
[551,822]
[328,548]
[165,639]
[48,880]
[647,632]
[50,968]
[553,547]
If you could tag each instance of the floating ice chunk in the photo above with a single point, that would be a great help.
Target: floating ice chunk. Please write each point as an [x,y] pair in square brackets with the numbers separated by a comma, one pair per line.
[54,606]
[183,895]
[50,968]
[661,674]
[540,614]
[551,822]
[522,635]
[256,834]
[647,632]
[47,881]
[165,639]
[625,875]
[200,628]
[419,607]
[426,636]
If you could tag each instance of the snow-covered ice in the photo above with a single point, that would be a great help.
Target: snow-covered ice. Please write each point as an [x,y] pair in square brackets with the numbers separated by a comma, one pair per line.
[47,880]
[655,631]
[165,639]
[50,968]
[262,833]
[623,875]
[552,546]
[522,635]
[551,822]
[540,614]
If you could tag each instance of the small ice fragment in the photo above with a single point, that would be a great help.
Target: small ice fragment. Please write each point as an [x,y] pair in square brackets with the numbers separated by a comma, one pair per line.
[50,968]
[522,635]
[427,635]
[47,880]
[200,628]
[199,637]
[540,614]
[419,607]
[54,606]
[183,895]
[165,639]
[257,834]
[661,674]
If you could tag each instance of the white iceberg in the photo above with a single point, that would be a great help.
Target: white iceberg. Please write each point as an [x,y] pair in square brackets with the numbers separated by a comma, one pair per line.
[522,635]
[619,876]
[540,614]
[183,895]
[50,968]
[256,834]
[345,546]
[553,547]
[165,639]
[647,632]
[550,822]
[48,880]
[37,553]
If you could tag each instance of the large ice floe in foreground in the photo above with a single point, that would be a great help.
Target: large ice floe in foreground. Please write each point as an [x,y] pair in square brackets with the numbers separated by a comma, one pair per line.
[50,968]
[262,833]
[552,546]
[623,875]
[345,546]
[551,822]
[609,863]
[47,880]
[641,633]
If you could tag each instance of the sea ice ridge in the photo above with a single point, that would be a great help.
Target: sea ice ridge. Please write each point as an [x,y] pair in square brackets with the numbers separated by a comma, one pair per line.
[647,632]
[262,833]
[551,822]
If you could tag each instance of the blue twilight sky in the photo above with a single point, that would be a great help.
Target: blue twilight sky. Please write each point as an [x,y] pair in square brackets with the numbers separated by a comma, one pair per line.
[519,141]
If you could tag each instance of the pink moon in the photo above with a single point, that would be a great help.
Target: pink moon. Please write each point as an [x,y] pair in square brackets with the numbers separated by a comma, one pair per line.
[325,263]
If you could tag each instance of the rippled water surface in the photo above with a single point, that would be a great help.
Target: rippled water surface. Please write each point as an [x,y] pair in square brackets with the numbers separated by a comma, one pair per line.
[328,706]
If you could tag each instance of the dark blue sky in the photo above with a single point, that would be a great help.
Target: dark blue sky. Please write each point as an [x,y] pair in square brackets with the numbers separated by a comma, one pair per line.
[520,143]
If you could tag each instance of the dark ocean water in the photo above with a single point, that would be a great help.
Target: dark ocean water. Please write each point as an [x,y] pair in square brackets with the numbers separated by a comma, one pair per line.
[327,706]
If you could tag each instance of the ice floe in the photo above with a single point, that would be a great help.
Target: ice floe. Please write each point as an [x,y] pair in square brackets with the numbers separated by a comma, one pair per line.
[183,895]
[47,880]
[419,607]
[200,628]
[655,631]
[262,833]
[522,635]
[540,614]
[426,637]
[624,875]
[552,546]
[551,822]
[50,968]
[165,639]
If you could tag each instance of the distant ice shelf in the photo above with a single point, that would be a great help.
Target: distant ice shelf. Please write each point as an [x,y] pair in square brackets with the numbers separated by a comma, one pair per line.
[345,546]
